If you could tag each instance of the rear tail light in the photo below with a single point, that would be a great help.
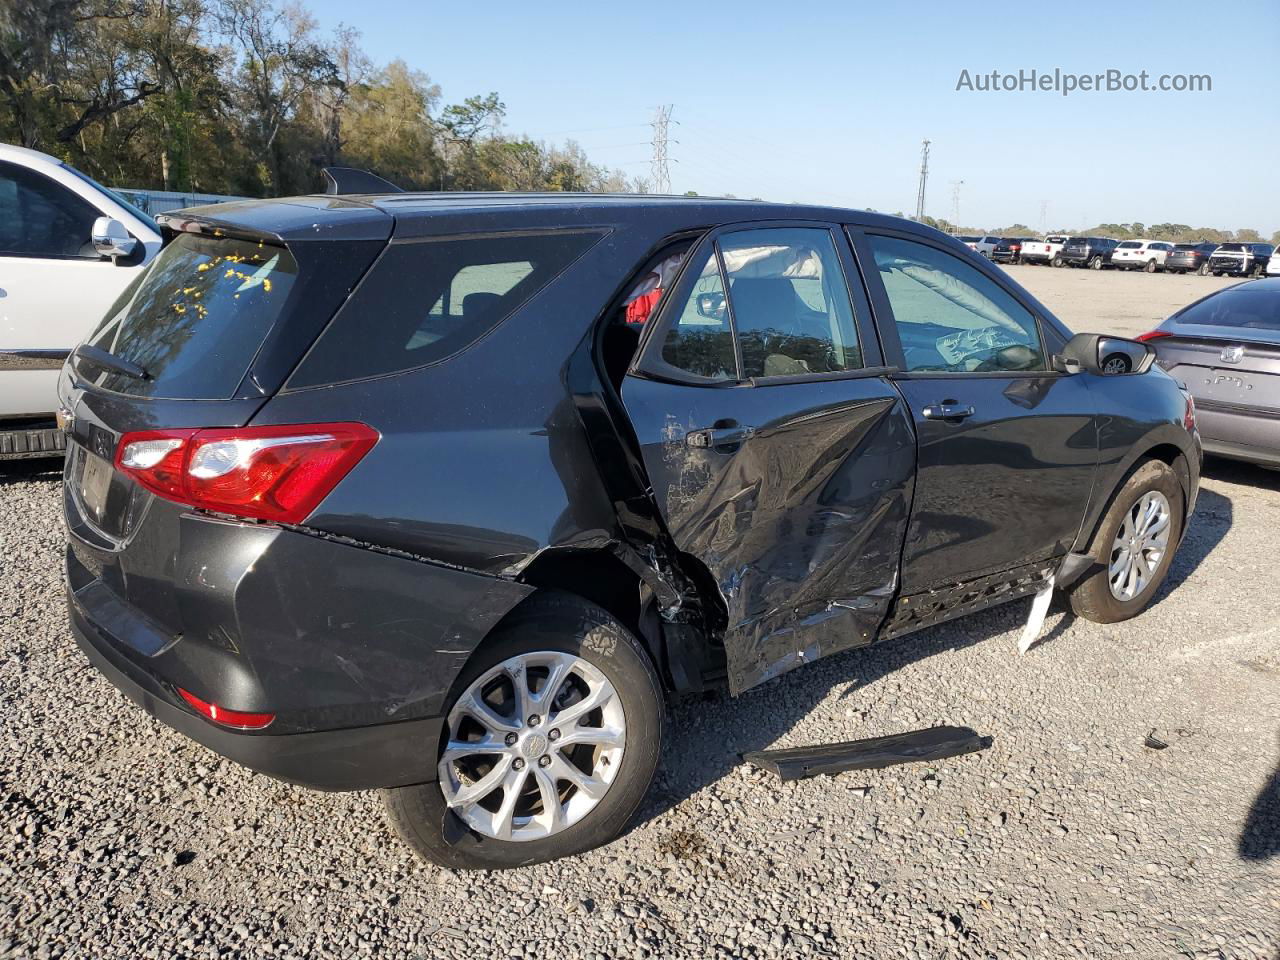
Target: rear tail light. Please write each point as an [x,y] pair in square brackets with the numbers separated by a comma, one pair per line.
[1189,415]
[1153,335]
[278,473]
[234,719]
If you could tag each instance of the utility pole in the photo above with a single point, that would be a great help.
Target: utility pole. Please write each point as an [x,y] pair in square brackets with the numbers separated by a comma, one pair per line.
[658,170]
[955,203]
[924,179]
[1044,216]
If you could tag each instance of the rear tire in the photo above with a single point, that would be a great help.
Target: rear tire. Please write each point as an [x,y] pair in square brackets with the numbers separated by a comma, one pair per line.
[1056,262]
[1150,267]
[1095,263]
[563,629]
[1204,270]
[1095,597]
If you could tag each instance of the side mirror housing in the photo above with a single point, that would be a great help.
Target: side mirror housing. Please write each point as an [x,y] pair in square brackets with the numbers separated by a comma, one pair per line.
[711,305]
[1104,356]
[111,239]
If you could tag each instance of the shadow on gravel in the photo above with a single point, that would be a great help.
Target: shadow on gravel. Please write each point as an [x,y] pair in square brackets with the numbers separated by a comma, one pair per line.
[1236,471]
[1209,524]
[707,738]
[24,471]
[1260,838]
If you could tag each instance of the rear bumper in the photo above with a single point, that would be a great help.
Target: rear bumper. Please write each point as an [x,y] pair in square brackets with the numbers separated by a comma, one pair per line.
[353,651]
[1239,433]
[358,758]
[27,442]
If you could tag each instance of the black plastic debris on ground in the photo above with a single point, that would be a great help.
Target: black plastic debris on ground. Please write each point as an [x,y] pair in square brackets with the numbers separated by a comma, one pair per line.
[934,743]
[1152,742]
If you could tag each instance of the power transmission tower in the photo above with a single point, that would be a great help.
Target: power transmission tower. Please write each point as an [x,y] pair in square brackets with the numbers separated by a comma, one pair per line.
[1044,216]
[658,171]
[955,202]
[924,178]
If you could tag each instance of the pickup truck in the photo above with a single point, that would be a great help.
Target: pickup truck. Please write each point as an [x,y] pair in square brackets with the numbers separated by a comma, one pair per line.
[1047,250]
[68,248]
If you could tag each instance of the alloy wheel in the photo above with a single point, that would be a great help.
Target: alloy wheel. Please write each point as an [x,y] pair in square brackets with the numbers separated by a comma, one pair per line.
[533,746]
[1139,546]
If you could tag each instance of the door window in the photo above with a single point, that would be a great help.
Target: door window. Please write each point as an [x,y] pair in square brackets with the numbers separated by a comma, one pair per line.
[41,218]
[950,317]
[790,303]
[700,339]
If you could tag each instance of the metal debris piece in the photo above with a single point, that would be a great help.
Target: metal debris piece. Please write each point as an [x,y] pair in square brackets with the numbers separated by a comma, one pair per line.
[1035,622]
[933,743]
[1152,742]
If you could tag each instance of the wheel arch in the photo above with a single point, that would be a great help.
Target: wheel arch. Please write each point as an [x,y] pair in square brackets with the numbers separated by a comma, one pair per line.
[1167,452]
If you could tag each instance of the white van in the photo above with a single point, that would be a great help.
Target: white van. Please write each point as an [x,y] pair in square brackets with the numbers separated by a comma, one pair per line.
[68,248]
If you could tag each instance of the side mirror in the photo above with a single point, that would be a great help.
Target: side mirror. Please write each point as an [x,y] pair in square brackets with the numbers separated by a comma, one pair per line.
[111,239]
[711,305]
[1104,356]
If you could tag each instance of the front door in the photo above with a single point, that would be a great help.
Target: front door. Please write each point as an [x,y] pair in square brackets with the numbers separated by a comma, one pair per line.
[1007,448]
[781,457]
[54,288]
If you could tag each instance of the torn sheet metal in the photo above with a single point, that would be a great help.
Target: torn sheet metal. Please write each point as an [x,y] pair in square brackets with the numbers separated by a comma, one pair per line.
[934,743]
[1035,621]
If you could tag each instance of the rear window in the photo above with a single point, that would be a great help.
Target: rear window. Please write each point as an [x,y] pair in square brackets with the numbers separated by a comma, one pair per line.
[195,319]
[424,301]
[1231,248]
[1249,305]
[1129,245]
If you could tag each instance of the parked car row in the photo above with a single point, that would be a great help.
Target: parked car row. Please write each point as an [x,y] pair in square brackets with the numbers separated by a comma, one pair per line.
[1149,256]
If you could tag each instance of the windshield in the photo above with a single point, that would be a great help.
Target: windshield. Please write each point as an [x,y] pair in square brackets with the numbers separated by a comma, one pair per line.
[195,319]
[1249,305]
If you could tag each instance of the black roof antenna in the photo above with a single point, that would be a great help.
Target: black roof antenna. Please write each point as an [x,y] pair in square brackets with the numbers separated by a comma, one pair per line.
[340,180]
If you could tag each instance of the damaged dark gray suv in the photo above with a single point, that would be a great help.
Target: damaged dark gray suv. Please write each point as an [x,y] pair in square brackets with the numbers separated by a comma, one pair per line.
[445,494]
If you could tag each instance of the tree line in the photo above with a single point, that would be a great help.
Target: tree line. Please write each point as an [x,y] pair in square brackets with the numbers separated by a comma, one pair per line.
[247,97]
[1172,232]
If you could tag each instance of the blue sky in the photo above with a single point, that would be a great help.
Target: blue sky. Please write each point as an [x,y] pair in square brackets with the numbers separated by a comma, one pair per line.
[828,101]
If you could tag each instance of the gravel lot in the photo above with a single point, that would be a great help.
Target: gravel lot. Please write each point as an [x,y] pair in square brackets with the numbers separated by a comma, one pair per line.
[1068,838]
[1122,302]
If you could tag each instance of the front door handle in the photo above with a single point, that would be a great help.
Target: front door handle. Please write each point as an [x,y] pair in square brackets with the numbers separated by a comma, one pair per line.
[725,433]
[948,410]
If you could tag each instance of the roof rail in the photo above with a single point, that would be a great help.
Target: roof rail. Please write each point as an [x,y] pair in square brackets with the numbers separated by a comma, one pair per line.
[340,180]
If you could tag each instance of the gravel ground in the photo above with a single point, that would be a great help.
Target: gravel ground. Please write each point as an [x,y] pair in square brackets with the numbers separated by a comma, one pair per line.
[1068,838]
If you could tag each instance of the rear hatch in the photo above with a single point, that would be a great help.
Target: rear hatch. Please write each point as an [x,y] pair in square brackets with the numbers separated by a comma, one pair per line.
[1075,248]
[201,340]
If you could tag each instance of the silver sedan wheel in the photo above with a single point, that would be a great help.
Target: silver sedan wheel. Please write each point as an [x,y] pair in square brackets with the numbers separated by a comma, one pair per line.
[1139,546]
[534,744]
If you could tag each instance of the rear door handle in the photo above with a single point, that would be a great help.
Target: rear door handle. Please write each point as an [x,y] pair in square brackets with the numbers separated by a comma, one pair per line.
[948,410]
[725,433]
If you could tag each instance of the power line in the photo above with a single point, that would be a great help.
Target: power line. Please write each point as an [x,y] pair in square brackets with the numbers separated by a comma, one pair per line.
[924,179]
[659,172]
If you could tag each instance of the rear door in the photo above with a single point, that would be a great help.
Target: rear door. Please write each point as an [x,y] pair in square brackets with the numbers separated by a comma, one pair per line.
[1007,448]
[780,454]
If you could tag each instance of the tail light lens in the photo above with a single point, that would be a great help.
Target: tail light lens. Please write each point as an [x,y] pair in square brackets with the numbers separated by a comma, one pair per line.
[1153,335]
[278,473]
[1189,417]
[234,719]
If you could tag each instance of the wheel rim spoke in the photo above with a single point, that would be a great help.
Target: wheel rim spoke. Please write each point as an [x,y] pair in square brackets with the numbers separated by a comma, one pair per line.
[468,793]
[562,769]
[1139,546]
[596,736]
[570,715]
[512,787]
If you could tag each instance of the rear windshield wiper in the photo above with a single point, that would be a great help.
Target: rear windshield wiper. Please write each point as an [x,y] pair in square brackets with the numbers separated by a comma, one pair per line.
[109,361]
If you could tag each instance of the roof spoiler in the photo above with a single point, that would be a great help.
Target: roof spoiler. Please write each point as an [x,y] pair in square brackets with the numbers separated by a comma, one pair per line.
[340,180]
